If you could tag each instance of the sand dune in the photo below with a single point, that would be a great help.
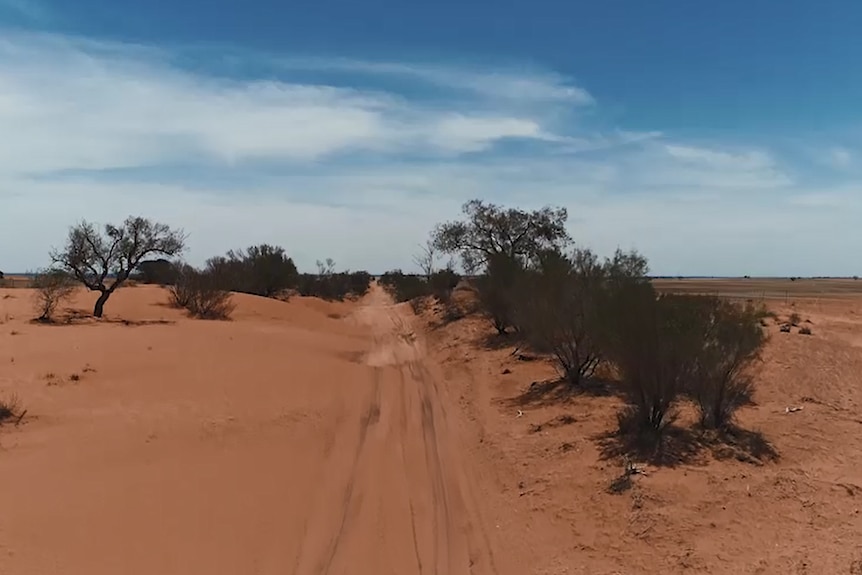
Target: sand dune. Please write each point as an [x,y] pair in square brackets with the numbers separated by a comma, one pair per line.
[303,437]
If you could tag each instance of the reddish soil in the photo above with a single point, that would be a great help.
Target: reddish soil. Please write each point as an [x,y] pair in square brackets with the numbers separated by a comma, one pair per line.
[311,438]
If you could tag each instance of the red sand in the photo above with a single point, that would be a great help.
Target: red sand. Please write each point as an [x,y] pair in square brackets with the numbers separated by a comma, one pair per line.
[310,438]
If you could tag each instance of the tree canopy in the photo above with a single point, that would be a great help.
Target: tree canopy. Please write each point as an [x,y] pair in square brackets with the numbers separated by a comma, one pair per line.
[488,229]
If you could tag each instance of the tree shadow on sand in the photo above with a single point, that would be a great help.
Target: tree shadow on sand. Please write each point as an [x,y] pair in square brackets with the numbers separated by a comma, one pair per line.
[556,391]
[681,445]
[81,317]
[493,341]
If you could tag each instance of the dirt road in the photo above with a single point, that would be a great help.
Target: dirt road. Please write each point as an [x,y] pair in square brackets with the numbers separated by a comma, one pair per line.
[397,496]
[288,441]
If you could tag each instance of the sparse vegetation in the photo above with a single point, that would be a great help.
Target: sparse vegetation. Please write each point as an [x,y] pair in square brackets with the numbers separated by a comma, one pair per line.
[560,315]
[404,287]
[498,290]
[794,319]
[103,261]
[10,408]
[334,286]
[201,294]
[731,341]
[442,283]
[418,289]
[426,259]
[571,306]
[159,272]
[653,342]
[582,311]
[805,330]
[262,270]
[51,288]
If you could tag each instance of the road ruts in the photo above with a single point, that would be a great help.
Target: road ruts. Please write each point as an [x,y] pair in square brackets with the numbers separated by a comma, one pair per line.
[396,495]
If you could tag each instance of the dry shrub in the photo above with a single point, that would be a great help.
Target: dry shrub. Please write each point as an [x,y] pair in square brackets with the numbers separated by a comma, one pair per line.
[731,340]
[669,345]
[10,408]
[158,271]
[262,270]
[442,283]
[53,287]
[795,319]
[654,343]
[498,290]
[561,314]
[805,330]
[201,294]
[419,304]
[404,287]
[333,286]
[557,303]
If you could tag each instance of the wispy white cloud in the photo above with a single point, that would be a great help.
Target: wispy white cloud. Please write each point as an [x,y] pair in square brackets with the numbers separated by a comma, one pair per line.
[515,85]
[716,168]
[80,105]
[471,134]
[359,170]
[718,159]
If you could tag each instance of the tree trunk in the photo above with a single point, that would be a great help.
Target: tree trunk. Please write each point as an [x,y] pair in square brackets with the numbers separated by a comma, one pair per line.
[100,303]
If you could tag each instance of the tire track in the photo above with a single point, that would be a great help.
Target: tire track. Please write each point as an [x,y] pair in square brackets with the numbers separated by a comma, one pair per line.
[422,376]
[370,417]
[404,429]
[407,483]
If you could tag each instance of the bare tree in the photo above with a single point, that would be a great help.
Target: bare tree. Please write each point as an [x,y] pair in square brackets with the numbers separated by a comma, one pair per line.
[52,288]
[95,257]
[325,268]
[488,229]
[426,258]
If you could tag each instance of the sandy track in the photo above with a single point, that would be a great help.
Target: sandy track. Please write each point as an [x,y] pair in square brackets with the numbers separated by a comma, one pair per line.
[397,496]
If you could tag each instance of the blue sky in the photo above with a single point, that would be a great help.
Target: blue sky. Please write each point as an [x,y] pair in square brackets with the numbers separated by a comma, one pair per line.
[717,138]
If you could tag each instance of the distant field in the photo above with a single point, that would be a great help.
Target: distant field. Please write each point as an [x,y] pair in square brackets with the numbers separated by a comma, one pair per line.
[763,288]
[15,281]
[750,288]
